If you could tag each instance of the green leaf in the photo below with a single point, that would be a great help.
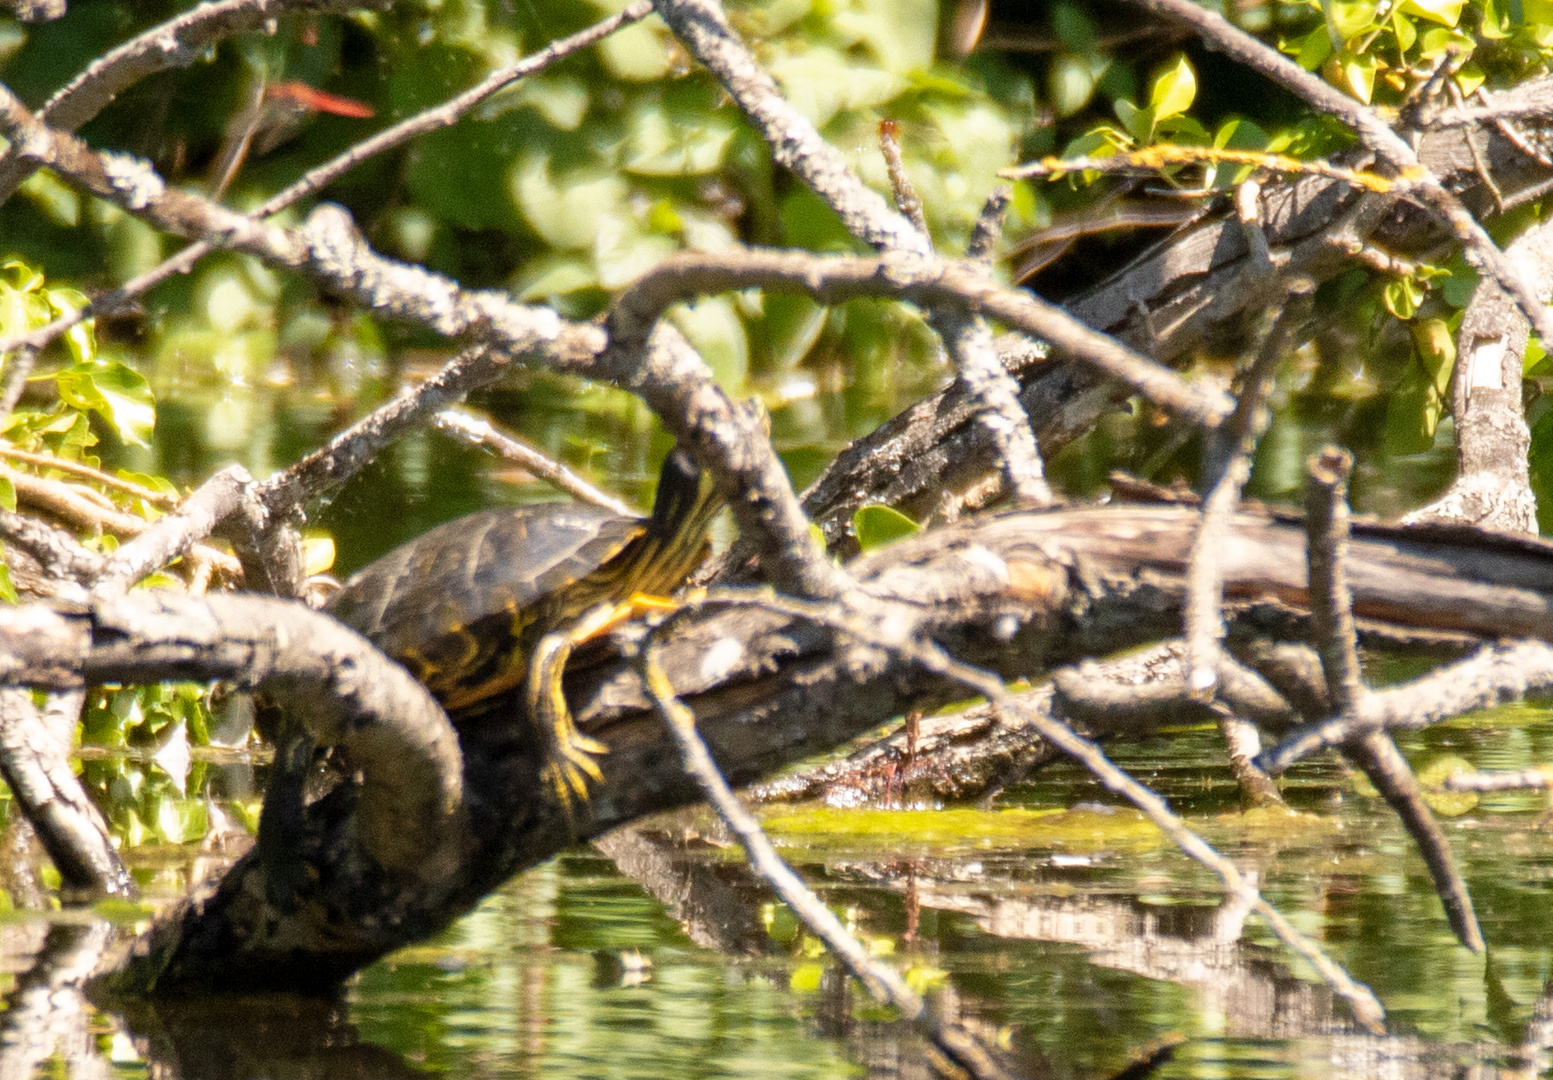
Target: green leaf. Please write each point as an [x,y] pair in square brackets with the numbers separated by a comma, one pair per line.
[1309,50]
[1174,89]
[685,144]
[1138,122]
[1070,84]
[1073,27]
[19,276]
[806,977]
[1353,72]
[116,392]
[1469,77]
[7,493]
[1412,415]
[635,53]
[1437,352]
[715,329]
[180,821]
[566,213]
[1444,12]
[7,589]
[875,526]
[1402,297]
[1405,31]
[1534,362]
[1349,18]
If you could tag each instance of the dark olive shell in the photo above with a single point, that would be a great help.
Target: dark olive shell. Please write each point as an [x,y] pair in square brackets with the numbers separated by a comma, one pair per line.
[453,605]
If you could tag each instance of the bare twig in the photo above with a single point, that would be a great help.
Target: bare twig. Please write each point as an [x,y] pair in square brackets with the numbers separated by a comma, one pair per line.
[176,533]
[72,505]
[96,476]
[473,431]
[1367,1010]
[1495,675]
[703,28]
[983,242]
[178,42]
[1331,604]
[1538,778]
[441,116]
[906,198]
[20,358]
[1336,640]
[1477,246]
[1154,159]
[59,553]
[1226,469]
[881,980]
[832,279]
[345,454]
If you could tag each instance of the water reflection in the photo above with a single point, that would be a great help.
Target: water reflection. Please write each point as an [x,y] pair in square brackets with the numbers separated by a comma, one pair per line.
[573,969]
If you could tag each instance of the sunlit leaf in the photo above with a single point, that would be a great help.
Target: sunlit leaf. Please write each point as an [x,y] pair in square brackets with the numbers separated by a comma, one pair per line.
[924,977]
[1070,84]
[1437,352]
[1469,77]
[1444,12]
[7,589]
[806,977]
[623,250]
[7,493]
[1174,89]
[717,332]
[19,276]
[1310,50]
[1405,31]
[900,34]
[1353,72]
[317,554]
[1349,18]
[635,53]
[822,82]
[875,526]
[117,393]
[662,145]
[565,212]
[181,821]
[1402,297]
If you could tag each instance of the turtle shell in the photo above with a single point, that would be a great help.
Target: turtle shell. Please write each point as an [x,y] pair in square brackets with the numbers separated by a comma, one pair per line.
[462,605]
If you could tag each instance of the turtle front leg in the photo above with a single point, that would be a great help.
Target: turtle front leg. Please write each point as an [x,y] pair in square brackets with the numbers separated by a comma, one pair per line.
[570,757]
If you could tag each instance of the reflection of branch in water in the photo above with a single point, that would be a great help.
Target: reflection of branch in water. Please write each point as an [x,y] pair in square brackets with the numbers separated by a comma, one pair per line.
[47,1014]
[717,903]
[225,1038]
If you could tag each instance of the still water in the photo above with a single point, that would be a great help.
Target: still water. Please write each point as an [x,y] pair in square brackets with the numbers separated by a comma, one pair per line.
[1058,923]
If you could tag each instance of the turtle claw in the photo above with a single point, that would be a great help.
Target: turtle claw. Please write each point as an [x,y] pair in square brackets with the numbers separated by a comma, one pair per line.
[569,755]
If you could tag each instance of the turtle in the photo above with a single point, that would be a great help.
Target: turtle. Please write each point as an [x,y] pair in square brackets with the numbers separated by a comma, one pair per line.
[497,600]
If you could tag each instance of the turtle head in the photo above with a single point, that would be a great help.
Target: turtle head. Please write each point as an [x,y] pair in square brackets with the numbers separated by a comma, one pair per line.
[686,497]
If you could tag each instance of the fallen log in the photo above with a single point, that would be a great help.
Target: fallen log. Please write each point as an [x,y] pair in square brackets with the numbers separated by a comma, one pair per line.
[1017,593]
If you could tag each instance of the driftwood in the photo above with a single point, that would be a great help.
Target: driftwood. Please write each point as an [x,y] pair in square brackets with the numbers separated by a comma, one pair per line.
[1018,593]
